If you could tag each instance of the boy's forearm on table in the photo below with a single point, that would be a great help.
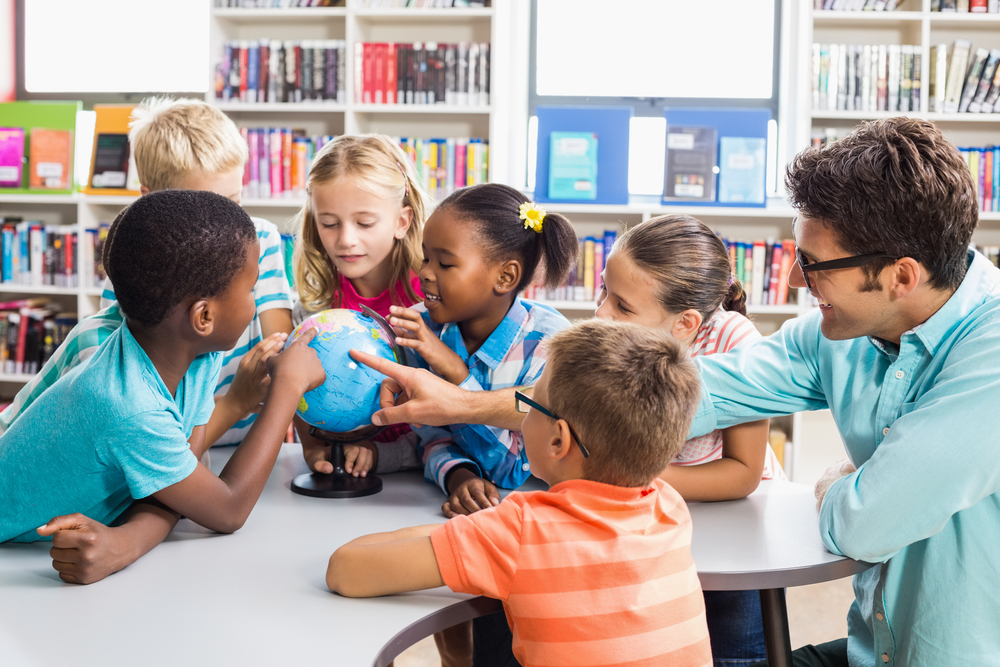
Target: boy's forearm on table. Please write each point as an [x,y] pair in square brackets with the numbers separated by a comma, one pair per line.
[250,465]
[143,526]
[384,564]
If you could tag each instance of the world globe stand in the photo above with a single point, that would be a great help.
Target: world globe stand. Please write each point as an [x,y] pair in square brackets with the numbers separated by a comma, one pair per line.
[339,483]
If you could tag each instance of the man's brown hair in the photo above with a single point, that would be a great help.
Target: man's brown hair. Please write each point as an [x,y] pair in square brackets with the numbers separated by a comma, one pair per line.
[895,186]
[628,391]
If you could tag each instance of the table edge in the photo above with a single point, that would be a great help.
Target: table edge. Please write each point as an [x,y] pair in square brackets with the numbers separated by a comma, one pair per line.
[465,610]
[751,580]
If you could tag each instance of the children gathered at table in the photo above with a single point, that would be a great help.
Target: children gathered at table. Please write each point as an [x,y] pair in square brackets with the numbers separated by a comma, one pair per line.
[187,353]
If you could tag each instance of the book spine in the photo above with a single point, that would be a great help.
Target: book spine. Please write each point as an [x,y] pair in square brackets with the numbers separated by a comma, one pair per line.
[275,161]
[759,253]
[263,69]
[22,333]
[244,67]
[264,162]
[286,161]
[319,70]
[598,266]
[390,73]
[253,70]
[298,72]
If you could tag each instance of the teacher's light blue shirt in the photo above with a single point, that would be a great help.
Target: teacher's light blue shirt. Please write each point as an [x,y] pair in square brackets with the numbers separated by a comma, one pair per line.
[920,423]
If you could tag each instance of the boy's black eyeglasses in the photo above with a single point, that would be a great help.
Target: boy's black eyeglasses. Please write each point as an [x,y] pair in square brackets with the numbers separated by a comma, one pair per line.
[842,263]
[522,403]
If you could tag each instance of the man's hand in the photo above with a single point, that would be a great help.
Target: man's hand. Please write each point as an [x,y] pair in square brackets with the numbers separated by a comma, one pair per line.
[84,551]
[469,493]
[360,457]
[413,395]
[249,387]
[839,469]
[412,332]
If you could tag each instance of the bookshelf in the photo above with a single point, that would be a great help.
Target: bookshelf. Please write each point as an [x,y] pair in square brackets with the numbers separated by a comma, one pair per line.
[356,24]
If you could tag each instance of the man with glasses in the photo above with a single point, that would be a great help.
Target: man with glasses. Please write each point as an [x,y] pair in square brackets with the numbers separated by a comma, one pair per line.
[904,349]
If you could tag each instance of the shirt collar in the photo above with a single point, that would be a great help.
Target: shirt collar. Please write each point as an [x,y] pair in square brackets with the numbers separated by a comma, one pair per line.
[496,348]
[981,280]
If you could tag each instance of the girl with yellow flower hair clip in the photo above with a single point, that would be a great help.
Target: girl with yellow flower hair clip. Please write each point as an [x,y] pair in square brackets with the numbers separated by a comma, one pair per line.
[482,247]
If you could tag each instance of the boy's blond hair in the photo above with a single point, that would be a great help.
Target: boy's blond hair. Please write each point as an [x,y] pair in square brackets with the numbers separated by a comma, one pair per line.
[630,392]
[171,138]
[377,164]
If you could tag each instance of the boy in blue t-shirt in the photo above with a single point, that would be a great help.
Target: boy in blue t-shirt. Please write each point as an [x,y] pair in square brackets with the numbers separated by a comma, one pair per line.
[129,423]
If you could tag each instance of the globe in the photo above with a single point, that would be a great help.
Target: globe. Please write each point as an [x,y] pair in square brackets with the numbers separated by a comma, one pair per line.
[349,397]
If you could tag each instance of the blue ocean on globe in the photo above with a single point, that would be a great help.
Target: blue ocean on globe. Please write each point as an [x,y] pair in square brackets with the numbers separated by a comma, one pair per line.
[349,397]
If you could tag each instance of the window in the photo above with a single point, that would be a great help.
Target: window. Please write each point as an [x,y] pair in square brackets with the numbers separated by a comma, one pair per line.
[114,46]
[649,54]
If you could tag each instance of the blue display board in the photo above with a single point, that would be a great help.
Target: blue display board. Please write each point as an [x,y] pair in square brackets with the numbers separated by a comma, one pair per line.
[611,125]
[743,123]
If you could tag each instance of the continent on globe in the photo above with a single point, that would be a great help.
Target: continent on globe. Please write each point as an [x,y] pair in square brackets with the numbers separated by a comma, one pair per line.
[349,397]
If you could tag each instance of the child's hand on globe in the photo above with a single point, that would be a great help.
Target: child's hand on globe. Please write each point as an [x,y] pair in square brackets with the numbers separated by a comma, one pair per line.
[298,364]
[412,332]
[249,387]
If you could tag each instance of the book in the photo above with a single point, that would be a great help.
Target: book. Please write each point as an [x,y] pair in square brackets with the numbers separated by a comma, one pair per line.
[51,159]
[11,157]
[958,58]
[690,164]
[972,79]
[111,161]
[573,166]
[937,77]
[990,105]
[742,163]
[985,79]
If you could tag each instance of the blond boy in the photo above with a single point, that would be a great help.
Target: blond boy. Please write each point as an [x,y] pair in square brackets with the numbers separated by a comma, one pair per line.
[598,569]
[185,145]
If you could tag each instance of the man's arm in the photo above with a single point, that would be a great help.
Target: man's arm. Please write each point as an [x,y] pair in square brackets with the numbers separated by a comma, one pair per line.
[385,563]
[417,396]
[937,459]
[778,375]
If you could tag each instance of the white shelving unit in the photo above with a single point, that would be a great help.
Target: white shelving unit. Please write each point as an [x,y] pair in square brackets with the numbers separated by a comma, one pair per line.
[356,24]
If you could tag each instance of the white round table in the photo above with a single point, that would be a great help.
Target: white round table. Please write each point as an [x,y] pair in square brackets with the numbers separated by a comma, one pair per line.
[767,541]
[259,596]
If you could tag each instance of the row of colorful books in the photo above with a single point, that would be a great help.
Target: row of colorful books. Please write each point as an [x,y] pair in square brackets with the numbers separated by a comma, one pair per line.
[48,157]
[422,73]
[856,5]
[445,165]
[963,80]
[984,163]
[275,71]
[30,331]
[584,280]
[34,253]
[975,6]
[762,268]
[869,77]
[279,161]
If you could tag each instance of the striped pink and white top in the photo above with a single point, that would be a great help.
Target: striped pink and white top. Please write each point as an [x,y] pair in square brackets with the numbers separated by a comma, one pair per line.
[725,331]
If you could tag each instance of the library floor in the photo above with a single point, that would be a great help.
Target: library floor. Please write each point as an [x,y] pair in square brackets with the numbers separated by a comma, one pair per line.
[816,613]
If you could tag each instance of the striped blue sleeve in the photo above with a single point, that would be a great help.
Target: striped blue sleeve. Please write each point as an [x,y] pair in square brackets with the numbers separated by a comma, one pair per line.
[272,289]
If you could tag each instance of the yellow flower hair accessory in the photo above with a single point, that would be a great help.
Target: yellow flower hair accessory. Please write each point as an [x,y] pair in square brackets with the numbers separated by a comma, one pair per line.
[533,215]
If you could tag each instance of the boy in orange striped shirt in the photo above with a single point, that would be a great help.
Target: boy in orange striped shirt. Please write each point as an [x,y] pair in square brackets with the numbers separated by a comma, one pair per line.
[597,570]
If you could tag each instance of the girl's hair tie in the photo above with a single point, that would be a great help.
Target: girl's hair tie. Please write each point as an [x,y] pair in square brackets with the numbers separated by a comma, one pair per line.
[406,181]
[533,216]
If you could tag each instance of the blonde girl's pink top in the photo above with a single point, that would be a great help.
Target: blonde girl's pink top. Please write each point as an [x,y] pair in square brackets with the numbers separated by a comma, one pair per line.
[350,299]
[725,331]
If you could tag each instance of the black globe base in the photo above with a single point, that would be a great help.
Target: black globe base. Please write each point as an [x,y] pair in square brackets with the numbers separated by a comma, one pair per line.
[334,485]
[339,483]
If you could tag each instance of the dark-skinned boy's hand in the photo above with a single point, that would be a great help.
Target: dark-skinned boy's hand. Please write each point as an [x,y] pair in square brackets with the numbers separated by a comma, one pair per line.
[298,364]
[470,495]
[83,550]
